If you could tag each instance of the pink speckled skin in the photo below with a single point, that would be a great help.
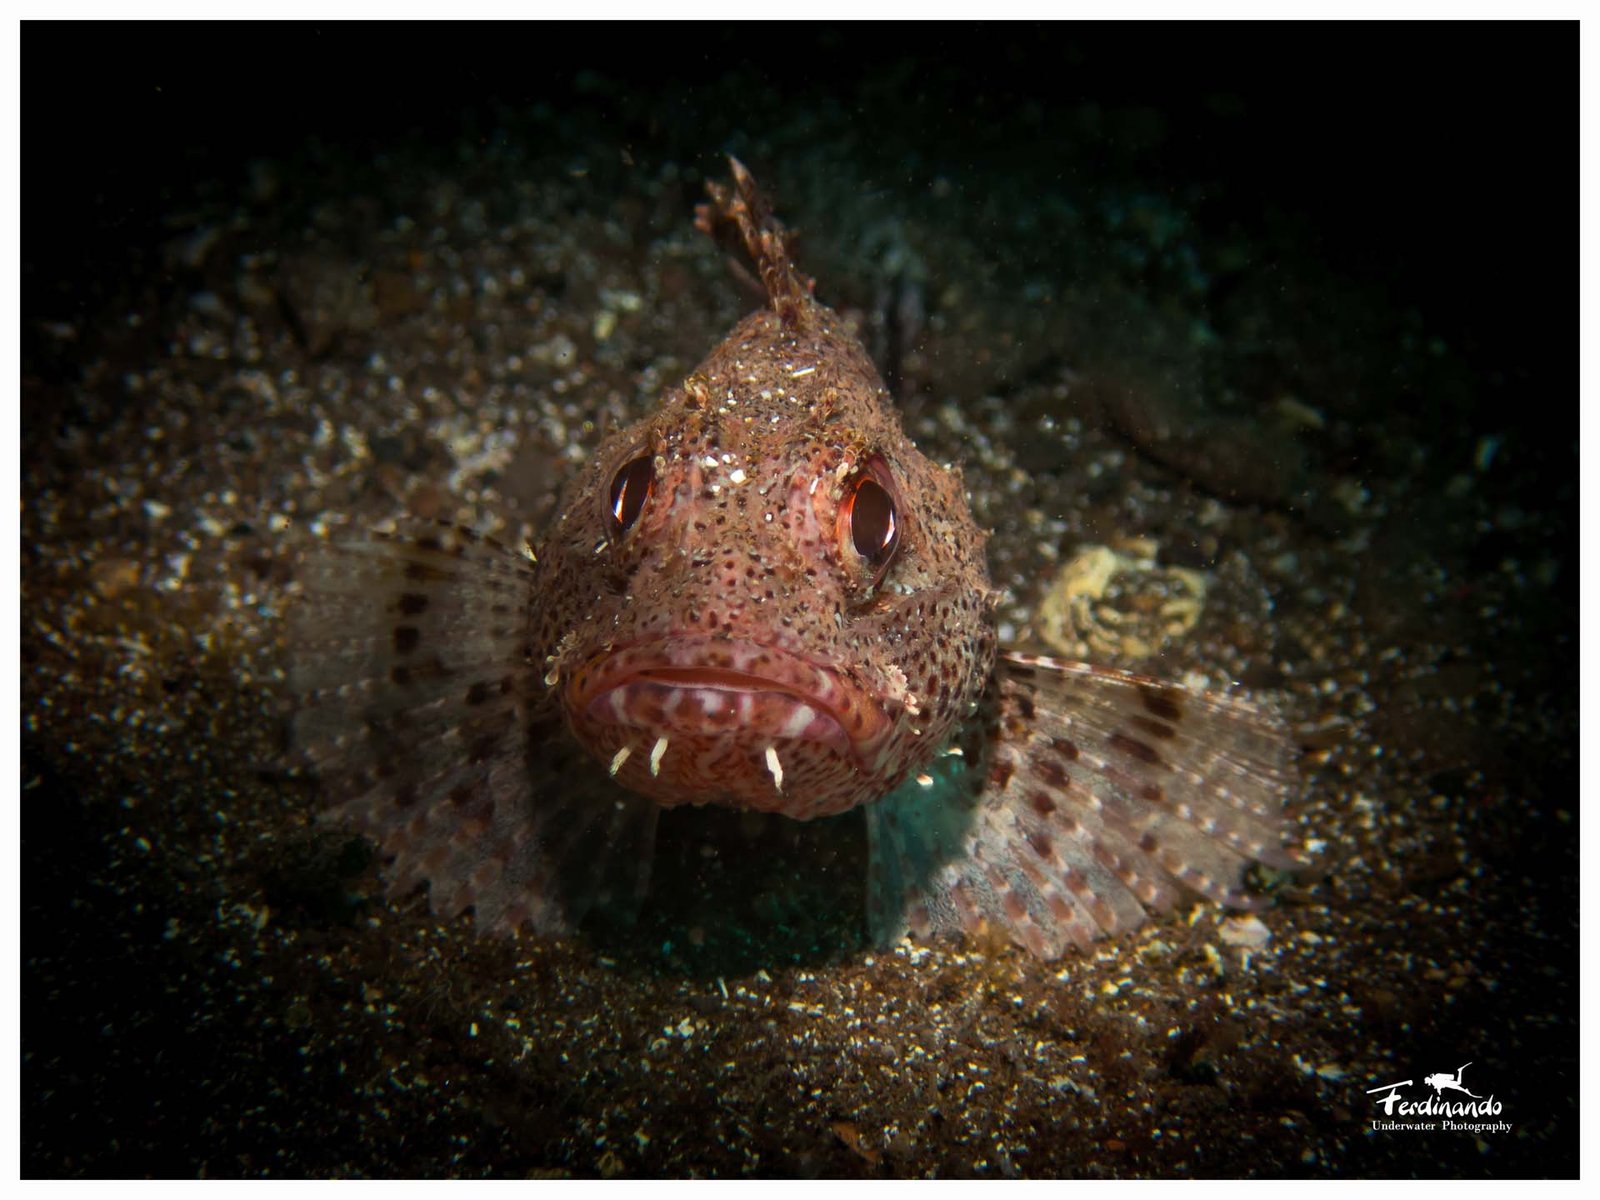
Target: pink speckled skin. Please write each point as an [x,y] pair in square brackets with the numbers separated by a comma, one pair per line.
[736,614]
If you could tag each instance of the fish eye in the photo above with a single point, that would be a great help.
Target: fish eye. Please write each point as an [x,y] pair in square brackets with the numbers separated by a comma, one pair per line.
[871,517]
[630,488]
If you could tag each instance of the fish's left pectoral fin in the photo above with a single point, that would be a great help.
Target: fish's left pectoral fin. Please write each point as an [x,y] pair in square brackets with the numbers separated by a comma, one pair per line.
[1100,796]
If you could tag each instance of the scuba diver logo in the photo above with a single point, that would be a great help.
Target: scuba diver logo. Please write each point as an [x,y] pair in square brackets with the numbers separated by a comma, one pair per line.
[1435,1111]
[1439,1083]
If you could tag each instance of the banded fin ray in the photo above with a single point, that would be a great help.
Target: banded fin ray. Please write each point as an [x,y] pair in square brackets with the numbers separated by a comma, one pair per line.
[417,706]
[1101,796]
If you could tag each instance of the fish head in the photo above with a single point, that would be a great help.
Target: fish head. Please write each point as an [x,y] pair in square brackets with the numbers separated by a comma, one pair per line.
[763,595]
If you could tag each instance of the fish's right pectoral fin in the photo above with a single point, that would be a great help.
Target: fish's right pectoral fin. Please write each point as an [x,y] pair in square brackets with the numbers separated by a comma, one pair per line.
[416,706]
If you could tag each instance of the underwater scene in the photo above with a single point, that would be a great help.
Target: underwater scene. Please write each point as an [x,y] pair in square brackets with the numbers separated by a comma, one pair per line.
[929,602]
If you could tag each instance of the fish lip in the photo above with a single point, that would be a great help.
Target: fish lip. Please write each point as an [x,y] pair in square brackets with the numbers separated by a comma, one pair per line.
[849,719]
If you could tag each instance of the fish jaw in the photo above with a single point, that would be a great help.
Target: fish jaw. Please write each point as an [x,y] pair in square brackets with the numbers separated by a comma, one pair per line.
[697,719]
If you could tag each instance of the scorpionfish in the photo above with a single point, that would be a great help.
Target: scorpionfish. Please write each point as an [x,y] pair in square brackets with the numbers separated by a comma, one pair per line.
[761,595]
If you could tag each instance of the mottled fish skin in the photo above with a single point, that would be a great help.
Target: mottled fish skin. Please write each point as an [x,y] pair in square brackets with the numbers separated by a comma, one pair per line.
[735,616]
[762,595]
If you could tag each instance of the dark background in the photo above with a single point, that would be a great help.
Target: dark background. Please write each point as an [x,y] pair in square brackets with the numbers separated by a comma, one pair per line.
[1433,161]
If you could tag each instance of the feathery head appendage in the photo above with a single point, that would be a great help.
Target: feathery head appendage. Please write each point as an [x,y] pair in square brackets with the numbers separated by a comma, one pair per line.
[767,243]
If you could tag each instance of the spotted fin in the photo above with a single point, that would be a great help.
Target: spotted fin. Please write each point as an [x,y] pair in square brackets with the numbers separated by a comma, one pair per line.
[1100,796]
[417,707]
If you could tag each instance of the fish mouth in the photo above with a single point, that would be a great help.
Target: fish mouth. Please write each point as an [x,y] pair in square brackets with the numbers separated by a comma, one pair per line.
[726,689]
